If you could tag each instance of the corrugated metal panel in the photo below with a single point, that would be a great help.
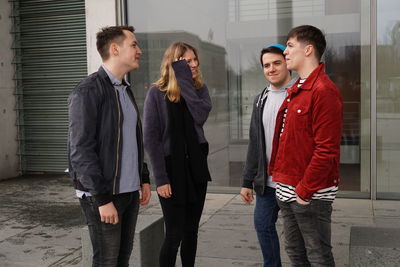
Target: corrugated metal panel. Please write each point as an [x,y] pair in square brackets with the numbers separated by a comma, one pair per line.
[50,59]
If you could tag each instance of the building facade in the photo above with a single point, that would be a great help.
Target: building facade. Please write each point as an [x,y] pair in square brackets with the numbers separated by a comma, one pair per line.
[362,58]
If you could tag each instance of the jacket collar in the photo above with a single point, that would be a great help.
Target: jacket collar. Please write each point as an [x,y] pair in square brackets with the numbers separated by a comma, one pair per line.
[264,93]
[262,96]
[103,74]
[113,79]
[309,83]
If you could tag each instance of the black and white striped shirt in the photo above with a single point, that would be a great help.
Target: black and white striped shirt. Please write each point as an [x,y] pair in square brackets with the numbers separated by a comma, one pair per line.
[286,193]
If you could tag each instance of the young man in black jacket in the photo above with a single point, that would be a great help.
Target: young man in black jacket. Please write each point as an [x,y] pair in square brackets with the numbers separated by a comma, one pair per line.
[105,148]
[262,126]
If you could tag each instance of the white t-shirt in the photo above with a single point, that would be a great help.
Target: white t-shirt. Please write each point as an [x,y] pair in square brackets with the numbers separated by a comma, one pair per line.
[271,107]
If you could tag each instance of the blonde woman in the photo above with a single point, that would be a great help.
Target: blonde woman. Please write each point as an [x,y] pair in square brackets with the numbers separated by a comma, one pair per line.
[175,110]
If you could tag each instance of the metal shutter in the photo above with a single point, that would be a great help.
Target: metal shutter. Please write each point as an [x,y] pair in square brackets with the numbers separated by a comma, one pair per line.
[50,59]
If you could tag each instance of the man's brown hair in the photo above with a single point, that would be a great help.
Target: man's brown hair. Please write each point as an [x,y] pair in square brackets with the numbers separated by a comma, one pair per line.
[107,35]
[270,49]
[310,35]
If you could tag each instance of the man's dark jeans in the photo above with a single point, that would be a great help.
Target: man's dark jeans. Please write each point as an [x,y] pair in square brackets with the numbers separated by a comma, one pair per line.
[112,243]
[307,230]
[265,216]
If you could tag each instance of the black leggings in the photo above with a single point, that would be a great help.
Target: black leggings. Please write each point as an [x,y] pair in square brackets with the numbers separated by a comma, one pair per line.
[181,227]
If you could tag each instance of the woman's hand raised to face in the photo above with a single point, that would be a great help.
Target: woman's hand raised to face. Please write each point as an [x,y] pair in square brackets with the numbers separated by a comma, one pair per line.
[192,61]
[180,58]
[164,191]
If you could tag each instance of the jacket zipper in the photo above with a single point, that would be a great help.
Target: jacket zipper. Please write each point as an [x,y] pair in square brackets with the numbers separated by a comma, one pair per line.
[262,105]
[118,141]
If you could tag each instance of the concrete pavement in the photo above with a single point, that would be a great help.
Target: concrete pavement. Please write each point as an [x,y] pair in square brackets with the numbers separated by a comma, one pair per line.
[40,222]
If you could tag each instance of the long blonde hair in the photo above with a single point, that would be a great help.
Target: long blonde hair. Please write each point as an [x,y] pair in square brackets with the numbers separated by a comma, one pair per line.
[167,82]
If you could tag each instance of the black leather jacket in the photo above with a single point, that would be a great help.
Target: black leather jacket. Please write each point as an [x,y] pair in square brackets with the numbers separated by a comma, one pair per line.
[95,137]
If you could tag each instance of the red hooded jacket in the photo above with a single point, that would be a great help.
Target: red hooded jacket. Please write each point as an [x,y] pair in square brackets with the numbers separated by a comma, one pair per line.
[307,153]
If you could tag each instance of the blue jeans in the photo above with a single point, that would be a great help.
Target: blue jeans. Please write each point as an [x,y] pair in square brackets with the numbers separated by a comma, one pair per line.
[112,243]
[265,216]
[307,231]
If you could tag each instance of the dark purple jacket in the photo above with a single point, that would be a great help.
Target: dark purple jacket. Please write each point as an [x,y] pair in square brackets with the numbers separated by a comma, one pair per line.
[155,118]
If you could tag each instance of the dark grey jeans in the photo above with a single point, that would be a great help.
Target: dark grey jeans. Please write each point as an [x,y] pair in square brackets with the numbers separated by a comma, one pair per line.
[307,230]
[112,243]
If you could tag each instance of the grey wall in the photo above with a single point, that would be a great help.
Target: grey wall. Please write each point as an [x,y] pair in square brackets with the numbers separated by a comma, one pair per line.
[8,131]
[99,13]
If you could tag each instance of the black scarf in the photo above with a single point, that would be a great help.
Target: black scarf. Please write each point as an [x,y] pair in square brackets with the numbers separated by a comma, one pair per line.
[188,163]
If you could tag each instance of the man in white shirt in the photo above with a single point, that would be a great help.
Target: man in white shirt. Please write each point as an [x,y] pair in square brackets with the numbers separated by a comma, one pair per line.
[255,177]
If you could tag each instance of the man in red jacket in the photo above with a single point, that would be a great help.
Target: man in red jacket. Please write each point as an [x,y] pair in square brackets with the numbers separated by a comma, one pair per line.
[306,150]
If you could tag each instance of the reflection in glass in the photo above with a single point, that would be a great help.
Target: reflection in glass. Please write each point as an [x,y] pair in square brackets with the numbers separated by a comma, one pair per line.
[388,99]
[229,35]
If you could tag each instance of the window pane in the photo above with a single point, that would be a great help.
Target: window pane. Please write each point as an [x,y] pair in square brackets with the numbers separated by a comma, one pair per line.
[388,99]
[229,35]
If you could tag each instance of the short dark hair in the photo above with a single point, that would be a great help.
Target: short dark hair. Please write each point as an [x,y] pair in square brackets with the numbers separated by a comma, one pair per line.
[310,35]
[270,49]
[107,35]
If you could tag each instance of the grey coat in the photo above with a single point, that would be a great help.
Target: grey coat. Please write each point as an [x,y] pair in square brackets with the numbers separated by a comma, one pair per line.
[255,173]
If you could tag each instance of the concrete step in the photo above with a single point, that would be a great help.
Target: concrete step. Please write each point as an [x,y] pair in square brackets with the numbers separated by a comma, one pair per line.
[149,235]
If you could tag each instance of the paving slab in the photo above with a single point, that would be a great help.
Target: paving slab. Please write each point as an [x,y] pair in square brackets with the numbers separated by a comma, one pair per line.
[374,246]
[73,259]
[42,244]
[350,221]
[236,206]
[153,208]
[373,257]
[207,262]
[57,188]
[230,222]
[386,221]
[361,208]
[229,244]
[14,227]
[22,263]
[386,208]
[340,253]
[341,227]
[215,202]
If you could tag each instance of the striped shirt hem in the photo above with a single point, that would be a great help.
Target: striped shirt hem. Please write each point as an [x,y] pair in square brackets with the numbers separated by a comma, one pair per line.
[286,193]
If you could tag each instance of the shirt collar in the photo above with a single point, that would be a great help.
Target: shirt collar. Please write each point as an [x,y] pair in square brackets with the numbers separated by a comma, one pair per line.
[113,79]
[264,93]
[286,86]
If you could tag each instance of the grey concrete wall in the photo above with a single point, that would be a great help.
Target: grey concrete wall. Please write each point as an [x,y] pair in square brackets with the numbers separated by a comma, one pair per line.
[8,132]
[99,13]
